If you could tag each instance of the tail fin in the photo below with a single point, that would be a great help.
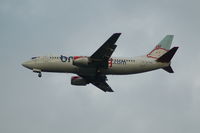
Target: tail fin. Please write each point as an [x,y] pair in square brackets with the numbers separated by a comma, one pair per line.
[166,58]
[166,42]
[162,47]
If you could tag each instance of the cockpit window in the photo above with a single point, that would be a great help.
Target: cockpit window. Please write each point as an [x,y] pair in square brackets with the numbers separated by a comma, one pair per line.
[33,58]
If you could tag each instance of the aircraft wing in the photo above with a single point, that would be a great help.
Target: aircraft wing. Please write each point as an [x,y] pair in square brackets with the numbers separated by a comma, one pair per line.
[103,86]
[98,81]
[102,55]
[100,60]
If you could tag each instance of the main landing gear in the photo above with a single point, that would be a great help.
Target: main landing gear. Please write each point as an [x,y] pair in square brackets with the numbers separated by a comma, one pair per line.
[39,74]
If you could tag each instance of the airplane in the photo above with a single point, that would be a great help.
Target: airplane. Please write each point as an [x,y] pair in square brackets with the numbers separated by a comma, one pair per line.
[93,69]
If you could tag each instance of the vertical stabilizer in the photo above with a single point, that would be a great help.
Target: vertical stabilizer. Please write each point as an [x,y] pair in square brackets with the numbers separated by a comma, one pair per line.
[166,42]
[162,47]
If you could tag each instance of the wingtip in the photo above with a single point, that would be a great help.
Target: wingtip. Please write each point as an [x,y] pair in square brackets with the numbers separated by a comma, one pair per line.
[118,33]
[176,47]
[169,35]
[110,90]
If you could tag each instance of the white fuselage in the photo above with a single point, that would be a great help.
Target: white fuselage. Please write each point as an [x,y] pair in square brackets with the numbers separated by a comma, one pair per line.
[116,66]
[93,69]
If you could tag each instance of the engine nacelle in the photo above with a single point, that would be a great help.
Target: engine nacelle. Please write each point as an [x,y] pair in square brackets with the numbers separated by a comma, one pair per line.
[76,80]
[81,61]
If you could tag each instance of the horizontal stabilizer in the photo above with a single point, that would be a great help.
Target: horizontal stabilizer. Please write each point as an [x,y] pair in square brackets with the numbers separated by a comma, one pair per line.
[168,69]
[168,56]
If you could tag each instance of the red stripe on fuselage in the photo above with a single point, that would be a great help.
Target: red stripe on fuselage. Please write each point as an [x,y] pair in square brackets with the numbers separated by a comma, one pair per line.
[76,57]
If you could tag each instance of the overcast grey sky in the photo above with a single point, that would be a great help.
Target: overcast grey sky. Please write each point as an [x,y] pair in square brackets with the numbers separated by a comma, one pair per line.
[152,102]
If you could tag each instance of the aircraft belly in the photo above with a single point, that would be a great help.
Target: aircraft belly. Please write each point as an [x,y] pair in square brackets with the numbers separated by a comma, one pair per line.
[87,71]
[66,67]
[121,70]
[58,67]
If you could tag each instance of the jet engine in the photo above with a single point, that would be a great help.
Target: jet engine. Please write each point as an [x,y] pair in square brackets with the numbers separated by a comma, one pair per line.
[79,81]
[82,61]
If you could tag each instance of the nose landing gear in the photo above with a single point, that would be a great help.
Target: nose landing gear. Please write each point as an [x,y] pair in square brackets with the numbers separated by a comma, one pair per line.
[38,71]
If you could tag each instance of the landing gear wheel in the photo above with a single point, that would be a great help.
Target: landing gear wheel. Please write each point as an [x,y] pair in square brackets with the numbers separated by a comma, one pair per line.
[40,75]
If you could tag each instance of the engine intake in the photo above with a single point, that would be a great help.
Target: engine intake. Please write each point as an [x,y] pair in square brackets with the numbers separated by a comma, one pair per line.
[79,81]
[82,61]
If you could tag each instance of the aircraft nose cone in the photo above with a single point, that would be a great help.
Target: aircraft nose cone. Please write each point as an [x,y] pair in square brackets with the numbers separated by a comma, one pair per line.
[27,64]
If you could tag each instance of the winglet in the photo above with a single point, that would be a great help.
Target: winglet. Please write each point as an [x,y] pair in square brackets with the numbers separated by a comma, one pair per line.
[168,56]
